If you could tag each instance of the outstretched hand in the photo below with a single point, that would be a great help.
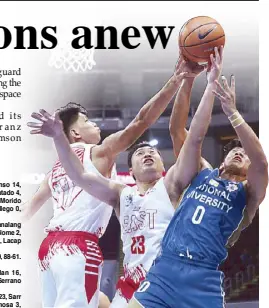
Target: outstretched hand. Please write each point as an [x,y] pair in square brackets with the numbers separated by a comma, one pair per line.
[48,125]
[227,96]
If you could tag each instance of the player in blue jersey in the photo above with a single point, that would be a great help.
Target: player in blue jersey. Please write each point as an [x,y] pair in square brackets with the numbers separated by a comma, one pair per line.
[216,206]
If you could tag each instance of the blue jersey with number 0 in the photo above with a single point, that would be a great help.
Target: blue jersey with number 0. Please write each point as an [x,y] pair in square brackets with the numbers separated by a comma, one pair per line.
[208,215]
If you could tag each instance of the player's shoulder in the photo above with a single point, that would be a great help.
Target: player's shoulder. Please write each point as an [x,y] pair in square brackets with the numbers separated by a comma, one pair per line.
[82,149]
[130,190]
[102,150]
[101,159]
[206,169]
[204,164]
[203,175]
[206,172]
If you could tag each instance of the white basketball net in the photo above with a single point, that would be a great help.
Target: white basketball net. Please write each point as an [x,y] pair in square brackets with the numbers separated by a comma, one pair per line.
[70,59]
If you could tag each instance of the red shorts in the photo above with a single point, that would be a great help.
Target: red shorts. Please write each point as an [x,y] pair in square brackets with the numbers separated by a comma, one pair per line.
[127,287]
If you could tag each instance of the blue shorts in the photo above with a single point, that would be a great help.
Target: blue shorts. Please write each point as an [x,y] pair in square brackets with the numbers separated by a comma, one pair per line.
[177,283]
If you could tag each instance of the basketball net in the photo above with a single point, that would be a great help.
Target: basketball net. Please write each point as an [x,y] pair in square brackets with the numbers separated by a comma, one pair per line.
[72,60]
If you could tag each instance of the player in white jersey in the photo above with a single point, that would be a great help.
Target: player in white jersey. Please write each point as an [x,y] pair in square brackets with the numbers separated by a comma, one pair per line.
[143,224]
[145,211]
[79,219]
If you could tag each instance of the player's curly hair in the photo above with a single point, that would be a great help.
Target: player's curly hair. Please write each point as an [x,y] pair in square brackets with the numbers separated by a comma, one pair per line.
[235,143]
[68,114]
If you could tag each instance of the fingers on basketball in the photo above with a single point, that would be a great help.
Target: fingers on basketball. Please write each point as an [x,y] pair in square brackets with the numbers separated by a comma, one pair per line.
[221,51]
[217,56]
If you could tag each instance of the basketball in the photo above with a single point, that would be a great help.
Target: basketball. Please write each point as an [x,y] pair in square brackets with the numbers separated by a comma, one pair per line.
[198,37]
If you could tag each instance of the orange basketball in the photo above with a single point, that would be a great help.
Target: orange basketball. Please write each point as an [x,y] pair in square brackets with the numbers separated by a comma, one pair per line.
[199,36]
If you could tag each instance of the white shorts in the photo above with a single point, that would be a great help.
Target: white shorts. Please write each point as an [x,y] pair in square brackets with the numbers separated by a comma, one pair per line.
[71,267]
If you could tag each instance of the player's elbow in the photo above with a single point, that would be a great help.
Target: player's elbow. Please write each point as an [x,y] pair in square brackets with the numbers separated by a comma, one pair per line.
[196,140]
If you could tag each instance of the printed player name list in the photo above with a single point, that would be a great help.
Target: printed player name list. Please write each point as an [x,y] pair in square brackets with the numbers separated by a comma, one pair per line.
[10,245]
[11,265]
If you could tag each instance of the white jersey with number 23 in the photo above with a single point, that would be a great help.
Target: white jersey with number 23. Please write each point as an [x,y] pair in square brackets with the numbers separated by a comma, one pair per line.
[144,220]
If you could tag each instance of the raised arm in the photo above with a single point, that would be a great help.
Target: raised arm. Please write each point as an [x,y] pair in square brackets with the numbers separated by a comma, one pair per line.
[98,186]
[179,116]
[148,115]
[257,174]
[40,197]
[188,162]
